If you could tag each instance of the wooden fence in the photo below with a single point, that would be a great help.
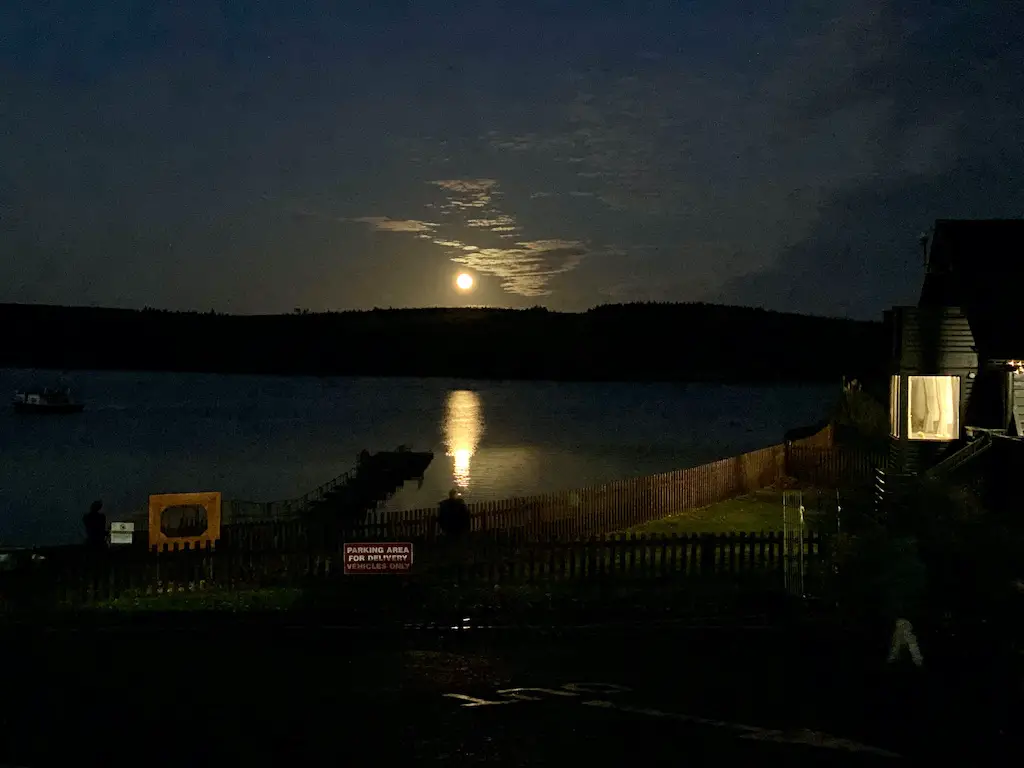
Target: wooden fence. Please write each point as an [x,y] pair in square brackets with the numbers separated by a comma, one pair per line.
[836,467]
[571,514]
[580,513]
[561,535]
[602,509]
[767,559]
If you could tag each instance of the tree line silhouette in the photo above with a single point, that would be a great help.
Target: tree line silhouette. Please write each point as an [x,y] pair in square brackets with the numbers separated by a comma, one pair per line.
[624,342]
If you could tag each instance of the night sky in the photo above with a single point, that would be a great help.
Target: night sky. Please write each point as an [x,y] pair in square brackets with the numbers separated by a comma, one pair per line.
[254,156]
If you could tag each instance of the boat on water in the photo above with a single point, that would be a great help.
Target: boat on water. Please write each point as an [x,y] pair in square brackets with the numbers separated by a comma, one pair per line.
[46,401]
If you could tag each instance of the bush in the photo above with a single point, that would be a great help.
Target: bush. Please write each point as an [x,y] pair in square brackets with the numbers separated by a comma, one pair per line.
[861,413]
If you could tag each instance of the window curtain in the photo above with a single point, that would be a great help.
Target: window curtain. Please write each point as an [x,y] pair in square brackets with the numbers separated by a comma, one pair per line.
[933,403]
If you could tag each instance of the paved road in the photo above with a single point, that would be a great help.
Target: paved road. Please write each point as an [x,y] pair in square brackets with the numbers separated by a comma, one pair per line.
[287,696]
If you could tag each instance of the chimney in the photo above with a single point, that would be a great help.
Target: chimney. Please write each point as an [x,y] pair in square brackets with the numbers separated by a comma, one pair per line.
[923,240]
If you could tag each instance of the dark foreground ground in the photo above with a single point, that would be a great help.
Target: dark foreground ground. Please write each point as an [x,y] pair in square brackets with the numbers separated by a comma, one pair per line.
[188,690]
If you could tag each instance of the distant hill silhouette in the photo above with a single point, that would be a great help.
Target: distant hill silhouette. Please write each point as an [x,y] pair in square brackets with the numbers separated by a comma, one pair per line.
[681,342]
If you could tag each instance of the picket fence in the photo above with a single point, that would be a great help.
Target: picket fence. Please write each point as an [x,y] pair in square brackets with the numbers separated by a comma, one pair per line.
[767,558]
[574,527]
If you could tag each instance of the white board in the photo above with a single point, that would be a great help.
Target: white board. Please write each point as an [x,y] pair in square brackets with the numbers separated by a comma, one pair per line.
[121,533]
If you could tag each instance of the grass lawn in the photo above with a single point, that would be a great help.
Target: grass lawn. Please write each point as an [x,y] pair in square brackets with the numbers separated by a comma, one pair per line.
[412,602]
[433,599]
[269,599]
[759,511]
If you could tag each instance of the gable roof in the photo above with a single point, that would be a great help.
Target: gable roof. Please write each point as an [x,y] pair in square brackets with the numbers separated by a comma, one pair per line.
[978,265]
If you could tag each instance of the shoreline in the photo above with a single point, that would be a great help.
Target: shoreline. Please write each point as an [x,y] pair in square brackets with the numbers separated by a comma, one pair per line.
[745,380]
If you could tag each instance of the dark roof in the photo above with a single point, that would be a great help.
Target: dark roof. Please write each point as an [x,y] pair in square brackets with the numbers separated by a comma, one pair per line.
[978,265]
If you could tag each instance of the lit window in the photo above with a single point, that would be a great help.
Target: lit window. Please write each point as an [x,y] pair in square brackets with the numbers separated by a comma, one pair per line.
[894,406]
[934,407]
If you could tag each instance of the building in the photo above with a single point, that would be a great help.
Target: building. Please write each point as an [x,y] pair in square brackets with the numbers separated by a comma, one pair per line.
[956,370]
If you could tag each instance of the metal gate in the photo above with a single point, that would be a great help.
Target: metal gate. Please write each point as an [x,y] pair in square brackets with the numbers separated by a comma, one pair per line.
[793,534]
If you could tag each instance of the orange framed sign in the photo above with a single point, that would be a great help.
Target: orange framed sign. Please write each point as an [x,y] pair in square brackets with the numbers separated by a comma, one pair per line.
[185,519]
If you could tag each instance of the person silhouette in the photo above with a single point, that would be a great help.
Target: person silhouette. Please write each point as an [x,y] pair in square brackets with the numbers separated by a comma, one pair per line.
[453,515]
[95,526]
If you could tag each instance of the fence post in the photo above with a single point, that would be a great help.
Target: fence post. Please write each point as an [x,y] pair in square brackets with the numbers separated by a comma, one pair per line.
[707,555]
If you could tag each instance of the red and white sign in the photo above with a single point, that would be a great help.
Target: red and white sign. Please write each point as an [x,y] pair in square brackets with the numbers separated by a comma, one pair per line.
[377,557]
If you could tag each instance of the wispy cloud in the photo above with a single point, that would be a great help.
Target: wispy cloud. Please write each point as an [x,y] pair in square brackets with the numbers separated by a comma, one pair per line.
[477,197]
[621,138]
[467,193]
[527,267]
[502,223]
[707,158]
[524,266]
[724,168]
[923,127]
[385,224]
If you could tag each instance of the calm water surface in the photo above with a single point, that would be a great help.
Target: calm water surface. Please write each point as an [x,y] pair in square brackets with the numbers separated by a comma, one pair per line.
[266,438]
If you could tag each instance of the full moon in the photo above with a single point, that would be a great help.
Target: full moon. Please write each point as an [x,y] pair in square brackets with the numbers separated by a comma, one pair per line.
[464,281]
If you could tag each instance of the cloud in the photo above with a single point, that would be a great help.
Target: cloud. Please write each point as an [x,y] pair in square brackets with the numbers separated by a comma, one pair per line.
[628,139]
[501,223]
[467,193]
[467,186]
[758,172]
[477,196]
[738,170]
[517,143]
[524,267]
[385,224]
[944,144]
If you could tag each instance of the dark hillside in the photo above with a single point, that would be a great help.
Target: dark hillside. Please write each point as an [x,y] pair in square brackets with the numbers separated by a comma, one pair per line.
[613,342]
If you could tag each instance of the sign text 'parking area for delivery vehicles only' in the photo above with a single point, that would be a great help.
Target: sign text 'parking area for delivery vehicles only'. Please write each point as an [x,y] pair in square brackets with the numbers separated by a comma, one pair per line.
[377,557]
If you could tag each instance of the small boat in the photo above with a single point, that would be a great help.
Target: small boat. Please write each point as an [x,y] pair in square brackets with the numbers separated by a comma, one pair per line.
[46,401]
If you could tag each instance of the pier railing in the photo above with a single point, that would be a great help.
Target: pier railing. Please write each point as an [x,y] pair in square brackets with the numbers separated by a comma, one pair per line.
[288,509]
[242,511]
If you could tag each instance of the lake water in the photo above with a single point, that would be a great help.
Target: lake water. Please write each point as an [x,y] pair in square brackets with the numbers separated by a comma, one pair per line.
[266,438]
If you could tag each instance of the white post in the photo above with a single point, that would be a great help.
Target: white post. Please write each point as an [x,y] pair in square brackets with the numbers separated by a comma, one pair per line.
[800,543]
[785,541]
